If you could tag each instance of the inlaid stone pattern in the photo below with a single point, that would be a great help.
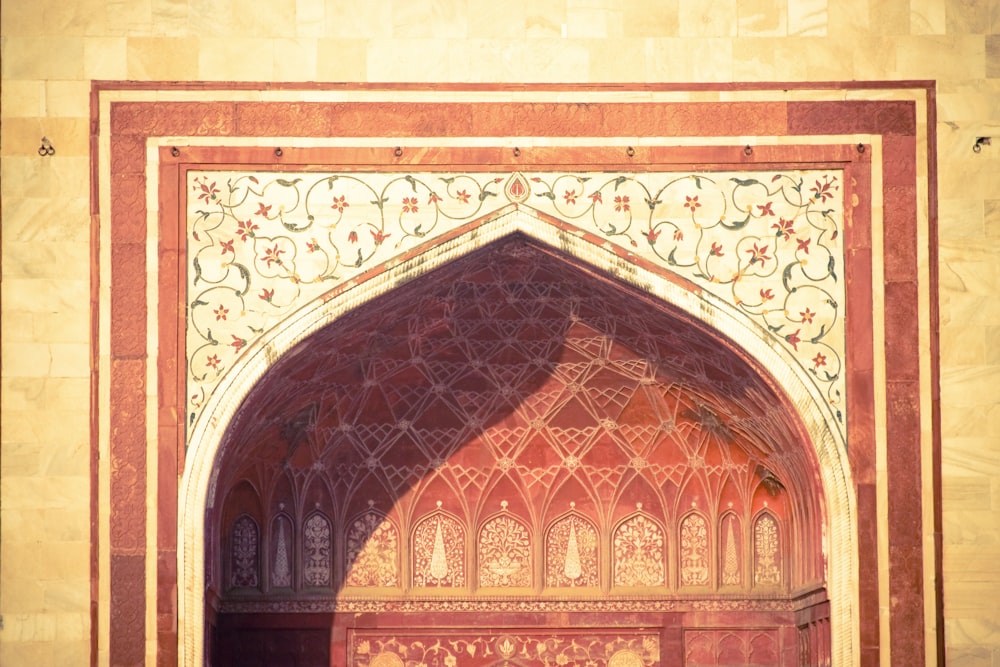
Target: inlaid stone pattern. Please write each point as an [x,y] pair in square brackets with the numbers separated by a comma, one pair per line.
[263,244]
[511,426]
[626,648]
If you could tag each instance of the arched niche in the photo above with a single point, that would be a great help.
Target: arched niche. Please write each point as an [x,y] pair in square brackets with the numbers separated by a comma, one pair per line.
[820,463]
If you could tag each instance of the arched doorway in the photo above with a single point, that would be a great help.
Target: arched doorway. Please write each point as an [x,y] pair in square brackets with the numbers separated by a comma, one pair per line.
[515,442]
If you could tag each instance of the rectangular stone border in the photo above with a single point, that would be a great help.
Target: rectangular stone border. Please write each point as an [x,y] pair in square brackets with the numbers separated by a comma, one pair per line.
[133,123]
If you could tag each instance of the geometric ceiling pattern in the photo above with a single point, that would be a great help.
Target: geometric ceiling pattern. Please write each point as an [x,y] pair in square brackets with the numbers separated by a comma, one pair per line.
[511,391]
[263,244]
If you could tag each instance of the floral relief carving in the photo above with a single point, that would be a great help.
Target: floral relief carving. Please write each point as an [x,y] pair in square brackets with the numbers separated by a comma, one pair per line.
[281,570]
[767,551]
[694,551]
[504,553]
[571,553]
[317,550]
[732,569]
[262,244]
[451,648]
[439,552]
[372,552]
[244,565]
[638,549]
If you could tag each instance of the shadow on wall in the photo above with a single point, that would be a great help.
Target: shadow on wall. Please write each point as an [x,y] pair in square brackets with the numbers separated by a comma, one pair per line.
[511,426]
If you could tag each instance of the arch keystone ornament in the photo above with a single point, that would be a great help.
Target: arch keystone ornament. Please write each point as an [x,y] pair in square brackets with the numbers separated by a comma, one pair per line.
[678,337]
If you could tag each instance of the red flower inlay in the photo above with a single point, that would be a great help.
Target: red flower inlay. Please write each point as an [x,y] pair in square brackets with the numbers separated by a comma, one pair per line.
[794,340]
[433,199]
[804,245]
[462,196]
[716,249]
[339,203]
[570,196]
[784,228]
[758,254]
[227,246]
[352,237]
[819,360]
[409,205]
[238,343]
[597,198]
[208,192]
[678,235]
[262,210]
[621,203]
[273,255]
[766,294]
[692,202]
[312,245]
[824,190]
[807,316]
[213,361]
[246,229]
[266,294]
[651,236]
[379,236]
[221,312]
[765,209]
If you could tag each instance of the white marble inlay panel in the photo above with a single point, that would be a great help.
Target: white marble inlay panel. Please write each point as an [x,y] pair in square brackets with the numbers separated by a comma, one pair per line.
[263,244]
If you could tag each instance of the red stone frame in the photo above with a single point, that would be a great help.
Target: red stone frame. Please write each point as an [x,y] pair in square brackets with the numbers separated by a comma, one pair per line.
[132,123]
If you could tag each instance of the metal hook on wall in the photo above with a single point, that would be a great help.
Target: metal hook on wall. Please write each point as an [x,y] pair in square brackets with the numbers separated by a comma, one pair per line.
[46,149]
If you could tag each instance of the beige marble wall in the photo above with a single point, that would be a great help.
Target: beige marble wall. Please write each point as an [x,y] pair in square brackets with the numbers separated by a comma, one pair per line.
[51,49]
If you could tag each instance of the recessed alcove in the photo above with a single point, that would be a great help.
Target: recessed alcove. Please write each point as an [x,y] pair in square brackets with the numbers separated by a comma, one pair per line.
[516,440]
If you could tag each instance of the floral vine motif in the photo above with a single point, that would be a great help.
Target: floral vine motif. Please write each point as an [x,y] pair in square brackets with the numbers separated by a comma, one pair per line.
[281,571]
[694,551]
[638,553]
[261,244]
[438,554]
[316,551]
[450,648]
[767,571]
[504,553]
[246,538]
[571,553]
[372,552]
[731,554]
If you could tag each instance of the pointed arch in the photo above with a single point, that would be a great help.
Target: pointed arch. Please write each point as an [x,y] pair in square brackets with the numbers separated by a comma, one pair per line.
[439,552]
[208,444]
[281,553]
[694,550]
[504,552]
[639,552]
[317,550]
[572,552]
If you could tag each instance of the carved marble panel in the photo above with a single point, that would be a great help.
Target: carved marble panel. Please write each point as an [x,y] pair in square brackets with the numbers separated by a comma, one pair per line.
[526,648]
[694,551]
[439,552]
[282,553]
[372,552]
[638,550]
[245,553]
[766,551]
[571,548]
[504,553]
[262,244]
[317,551]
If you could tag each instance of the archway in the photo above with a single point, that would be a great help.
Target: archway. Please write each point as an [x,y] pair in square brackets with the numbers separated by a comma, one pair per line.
[636,463]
